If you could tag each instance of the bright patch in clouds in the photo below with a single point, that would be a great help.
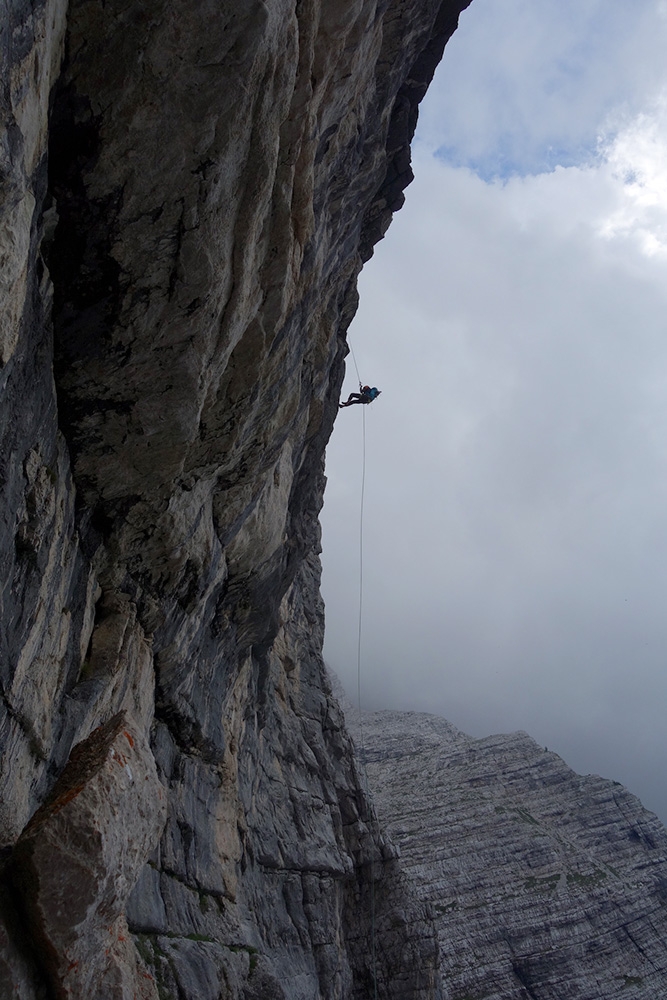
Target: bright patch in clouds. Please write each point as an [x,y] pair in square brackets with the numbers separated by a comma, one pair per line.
[637,157]
[526,84]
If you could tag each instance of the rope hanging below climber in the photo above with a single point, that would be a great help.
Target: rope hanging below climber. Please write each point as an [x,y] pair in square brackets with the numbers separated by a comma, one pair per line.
[366,394]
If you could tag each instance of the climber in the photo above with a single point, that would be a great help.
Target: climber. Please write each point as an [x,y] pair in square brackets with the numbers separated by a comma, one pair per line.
[366,394]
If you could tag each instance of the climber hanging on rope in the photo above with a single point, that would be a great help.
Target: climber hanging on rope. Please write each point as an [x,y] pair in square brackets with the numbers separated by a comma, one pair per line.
[366,394]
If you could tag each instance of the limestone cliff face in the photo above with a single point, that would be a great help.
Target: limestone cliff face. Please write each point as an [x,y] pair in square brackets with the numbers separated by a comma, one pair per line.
[187,194]
[544,884]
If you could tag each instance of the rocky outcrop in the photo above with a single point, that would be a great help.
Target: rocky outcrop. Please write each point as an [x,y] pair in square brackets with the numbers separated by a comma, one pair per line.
[544,884]
[79,857]
[188,192]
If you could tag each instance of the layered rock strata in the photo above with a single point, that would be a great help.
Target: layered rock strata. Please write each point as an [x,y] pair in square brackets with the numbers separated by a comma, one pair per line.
[545,884]
[188,192]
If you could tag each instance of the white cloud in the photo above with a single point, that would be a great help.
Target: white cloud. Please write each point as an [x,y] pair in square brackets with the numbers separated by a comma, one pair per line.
[515,536]
[637,159]
[524,86]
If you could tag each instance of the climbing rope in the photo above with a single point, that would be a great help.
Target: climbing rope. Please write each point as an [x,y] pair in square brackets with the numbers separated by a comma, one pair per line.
[361,579]
[355,363]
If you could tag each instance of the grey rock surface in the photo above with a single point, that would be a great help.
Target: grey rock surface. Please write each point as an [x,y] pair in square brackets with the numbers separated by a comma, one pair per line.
[187,194]
[545,884]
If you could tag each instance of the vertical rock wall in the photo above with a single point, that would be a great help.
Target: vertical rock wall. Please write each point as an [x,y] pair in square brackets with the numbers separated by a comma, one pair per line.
[180,234]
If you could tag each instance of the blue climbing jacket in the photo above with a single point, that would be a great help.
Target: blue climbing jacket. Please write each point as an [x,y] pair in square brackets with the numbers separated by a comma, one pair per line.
[371,393]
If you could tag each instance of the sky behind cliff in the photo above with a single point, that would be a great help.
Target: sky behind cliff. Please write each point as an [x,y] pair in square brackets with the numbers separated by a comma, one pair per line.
[516,320]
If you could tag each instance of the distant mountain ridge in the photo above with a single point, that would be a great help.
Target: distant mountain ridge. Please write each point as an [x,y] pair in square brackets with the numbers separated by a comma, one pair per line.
[545,885]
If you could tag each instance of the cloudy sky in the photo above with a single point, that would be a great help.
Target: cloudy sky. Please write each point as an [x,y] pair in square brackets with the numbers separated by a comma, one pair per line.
[515,317]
